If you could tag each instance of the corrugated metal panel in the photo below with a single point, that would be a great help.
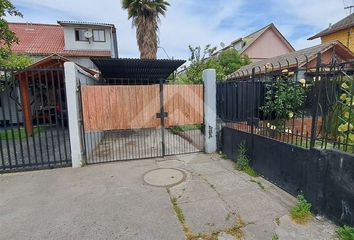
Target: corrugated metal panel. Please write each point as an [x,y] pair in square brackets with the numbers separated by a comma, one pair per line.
[136,69]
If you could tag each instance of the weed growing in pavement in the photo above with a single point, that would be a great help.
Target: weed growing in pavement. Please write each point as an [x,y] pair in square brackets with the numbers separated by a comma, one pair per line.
[345,233]
[243,162]
[301,213]
[236,230]
[275,237]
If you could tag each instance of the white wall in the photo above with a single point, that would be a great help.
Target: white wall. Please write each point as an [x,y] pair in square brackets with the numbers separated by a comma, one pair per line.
[83,61]
[72,44]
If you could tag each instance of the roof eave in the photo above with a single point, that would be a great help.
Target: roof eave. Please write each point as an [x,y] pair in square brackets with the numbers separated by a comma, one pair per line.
[330,31]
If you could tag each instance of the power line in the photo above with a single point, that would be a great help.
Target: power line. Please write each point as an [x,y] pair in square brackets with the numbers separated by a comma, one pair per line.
[351,7]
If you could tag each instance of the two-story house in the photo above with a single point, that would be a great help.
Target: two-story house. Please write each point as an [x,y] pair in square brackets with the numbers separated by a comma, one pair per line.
[342,31]
[50,46]
[76,41]
[264,43]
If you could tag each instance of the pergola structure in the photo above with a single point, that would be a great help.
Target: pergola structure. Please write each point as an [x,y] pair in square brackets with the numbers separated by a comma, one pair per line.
[48,71]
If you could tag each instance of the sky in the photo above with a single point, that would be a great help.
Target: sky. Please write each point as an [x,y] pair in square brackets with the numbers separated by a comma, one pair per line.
[196,22]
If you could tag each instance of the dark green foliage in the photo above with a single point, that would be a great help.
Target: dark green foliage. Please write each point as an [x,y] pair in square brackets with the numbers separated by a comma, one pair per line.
[7,37]
[145,16]
[301,212]
[284,98]
[12,60]
[345,233]
[225,63]
[230,61]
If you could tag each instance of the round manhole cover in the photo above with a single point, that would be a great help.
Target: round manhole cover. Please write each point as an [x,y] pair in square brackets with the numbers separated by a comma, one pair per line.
[164,177]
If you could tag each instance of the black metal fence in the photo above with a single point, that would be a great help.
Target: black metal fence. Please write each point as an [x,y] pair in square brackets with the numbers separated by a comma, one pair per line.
[33,119]
[303,106]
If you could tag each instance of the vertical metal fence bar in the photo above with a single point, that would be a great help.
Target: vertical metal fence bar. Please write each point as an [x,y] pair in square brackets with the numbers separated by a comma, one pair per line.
[50,115]
[37,119]
[61,107]
[11,88]
[162,116]
[316,101]
[17,116]
[47,158]
[6,130]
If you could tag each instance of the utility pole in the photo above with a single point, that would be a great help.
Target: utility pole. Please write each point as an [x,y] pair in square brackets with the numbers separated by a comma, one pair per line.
[350,8]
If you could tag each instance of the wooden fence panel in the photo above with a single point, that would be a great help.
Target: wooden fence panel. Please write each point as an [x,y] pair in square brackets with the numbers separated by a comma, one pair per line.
[184,104]
[133,107]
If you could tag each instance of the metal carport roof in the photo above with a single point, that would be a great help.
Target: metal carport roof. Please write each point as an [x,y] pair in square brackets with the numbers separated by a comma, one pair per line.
[138,70]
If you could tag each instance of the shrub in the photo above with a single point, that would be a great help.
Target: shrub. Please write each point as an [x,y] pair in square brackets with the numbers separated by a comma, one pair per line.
[345,233]
[301,212]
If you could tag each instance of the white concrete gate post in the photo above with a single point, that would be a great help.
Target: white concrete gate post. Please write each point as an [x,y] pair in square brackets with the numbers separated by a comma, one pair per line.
[71,85]
[209,79]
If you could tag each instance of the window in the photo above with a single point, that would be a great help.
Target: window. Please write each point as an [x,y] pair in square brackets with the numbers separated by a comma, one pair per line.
[239,45]
[80,34]
[99,35]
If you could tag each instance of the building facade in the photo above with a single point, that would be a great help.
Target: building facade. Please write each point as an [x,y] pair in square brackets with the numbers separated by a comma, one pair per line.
[341,31]
[265,43]
[76,41]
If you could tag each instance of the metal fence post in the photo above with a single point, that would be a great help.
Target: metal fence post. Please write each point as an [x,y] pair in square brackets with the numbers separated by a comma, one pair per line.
[252,112]
[162,118]
[315,102]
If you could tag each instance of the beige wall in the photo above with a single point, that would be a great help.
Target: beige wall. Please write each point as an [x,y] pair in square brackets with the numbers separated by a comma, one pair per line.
[345,36]
[267,46]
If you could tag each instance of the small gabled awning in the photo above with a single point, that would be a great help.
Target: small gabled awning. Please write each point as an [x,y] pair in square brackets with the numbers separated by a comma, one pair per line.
[136,70]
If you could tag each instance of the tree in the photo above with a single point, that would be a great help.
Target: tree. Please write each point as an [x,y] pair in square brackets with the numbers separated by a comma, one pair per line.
[231,60]
[145,15]
[7,37]
[11,60]
[225,63]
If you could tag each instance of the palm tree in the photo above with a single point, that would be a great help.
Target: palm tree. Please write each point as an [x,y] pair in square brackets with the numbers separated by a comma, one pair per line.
[145,17]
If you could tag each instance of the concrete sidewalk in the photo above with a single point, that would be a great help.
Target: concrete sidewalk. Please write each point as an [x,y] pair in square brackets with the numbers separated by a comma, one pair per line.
[111,201]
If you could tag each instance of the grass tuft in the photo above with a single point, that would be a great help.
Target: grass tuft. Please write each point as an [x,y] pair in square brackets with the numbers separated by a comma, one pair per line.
[185,128]
[301,213]
[345,233]
[178,210]
[275,237]
[243,162]
[237,229]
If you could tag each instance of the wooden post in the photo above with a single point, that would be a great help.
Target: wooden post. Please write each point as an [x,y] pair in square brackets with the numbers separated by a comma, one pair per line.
[26,105]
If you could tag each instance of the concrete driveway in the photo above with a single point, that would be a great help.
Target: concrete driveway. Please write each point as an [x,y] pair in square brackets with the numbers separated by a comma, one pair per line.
[111,201]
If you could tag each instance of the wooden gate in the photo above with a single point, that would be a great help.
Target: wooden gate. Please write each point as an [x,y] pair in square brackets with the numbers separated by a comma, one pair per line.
[123,122]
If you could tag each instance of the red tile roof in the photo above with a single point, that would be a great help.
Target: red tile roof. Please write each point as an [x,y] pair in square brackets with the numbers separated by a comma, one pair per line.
[46,39]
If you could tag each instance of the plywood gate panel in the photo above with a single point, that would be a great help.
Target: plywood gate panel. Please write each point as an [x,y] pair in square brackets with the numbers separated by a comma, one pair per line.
[133,107]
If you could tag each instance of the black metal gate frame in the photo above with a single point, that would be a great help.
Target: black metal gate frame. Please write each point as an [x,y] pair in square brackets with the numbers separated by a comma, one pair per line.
[162,115]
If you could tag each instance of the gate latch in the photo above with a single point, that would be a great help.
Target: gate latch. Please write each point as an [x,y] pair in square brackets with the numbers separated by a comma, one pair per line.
[165,115]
